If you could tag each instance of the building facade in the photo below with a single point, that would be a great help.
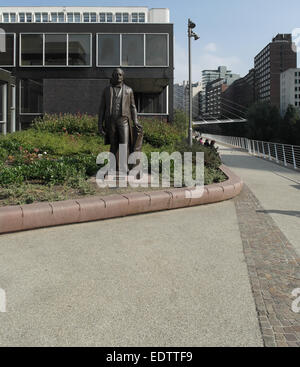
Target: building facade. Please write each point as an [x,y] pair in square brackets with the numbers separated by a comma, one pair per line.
[277,57]
[239,96]
[182,97]
[209,76]
[289,90]
[63,57]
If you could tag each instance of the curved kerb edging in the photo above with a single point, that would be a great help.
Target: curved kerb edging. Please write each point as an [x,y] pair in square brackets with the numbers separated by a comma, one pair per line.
[24,217]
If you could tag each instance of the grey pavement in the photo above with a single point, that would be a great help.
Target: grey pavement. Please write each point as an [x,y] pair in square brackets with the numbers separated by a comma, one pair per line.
[276,187]
[175,278]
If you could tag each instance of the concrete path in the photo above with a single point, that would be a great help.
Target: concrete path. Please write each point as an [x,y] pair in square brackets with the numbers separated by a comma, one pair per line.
[174,278]
[276,187]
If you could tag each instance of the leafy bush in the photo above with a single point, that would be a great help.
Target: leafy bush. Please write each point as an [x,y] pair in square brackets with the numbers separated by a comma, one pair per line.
[72,124]
[158,133]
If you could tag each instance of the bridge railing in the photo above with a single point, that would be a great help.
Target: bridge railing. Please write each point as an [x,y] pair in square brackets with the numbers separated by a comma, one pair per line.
[285,154]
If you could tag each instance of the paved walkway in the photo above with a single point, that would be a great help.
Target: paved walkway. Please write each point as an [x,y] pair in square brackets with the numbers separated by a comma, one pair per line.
[201,276]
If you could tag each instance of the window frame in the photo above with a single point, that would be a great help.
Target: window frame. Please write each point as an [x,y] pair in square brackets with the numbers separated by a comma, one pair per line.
[134,66]
[14,51]
[67,51]
[20,104]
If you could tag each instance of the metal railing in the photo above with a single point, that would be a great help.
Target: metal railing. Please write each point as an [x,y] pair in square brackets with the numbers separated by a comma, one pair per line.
[285,154]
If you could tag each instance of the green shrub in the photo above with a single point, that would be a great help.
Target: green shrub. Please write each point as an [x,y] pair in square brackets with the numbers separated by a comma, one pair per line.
[158,133]
[72,124]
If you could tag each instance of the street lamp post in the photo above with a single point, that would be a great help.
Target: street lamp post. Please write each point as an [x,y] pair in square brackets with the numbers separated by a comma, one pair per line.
[191,34]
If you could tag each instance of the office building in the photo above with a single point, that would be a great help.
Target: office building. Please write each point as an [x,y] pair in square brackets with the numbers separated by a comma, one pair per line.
[277,57]
[63,57]
[289,90]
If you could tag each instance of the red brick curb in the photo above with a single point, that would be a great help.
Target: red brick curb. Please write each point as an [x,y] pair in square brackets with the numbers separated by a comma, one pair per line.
[24,217]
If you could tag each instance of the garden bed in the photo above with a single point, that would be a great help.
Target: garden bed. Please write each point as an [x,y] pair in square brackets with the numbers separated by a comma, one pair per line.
[55,159]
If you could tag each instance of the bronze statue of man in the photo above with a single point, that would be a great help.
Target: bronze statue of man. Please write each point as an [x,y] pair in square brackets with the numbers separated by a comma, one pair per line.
[116,114]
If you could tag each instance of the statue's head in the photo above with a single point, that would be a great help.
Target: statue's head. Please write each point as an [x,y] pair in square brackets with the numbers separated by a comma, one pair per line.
[117,76]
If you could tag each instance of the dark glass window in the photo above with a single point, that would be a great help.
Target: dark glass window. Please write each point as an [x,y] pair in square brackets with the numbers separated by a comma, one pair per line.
[31,96]
[108,49]
[118,17]
[134,17]
[61,17]
[55,49]
[151,103]
[133,49]
[86,17]
[93,17]
[157,50]
[125,17]
[142,17]
[79,49]
[38,17]
[28,17]
[54,17]
[13,17]
[45,17]
[102,17]
[5,17]
[70,17]
[109,17]
[77,17]
[22,17]
[7,57]
[31,49]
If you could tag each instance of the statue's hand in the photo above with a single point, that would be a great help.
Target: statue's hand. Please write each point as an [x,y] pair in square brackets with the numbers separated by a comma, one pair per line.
[138,125]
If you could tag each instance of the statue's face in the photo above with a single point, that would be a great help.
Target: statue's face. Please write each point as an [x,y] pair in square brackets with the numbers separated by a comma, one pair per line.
[118,76]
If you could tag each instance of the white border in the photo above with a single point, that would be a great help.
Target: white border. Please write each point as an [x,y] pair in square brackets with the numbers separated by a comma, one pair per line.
[14,51]
[134,66]
[67,49]
[4,109]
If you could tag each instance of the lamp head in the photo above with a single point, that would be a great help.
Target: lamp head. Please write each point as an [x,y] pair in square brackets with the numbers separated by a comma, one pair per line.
[192,25]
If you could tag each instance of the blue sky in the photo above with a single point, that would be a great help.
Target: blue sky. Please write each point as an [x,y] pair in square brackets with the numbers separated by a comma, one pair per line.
[232,32]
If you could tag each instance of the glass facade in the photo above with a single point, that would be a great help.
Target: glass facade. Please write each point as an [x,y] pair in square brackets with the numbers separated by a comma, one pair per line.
[79,49]
[55,49]
[31,49]
[152,103]
[31,96]
[108,49]
[156,50]
[7,57]
[132,49]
